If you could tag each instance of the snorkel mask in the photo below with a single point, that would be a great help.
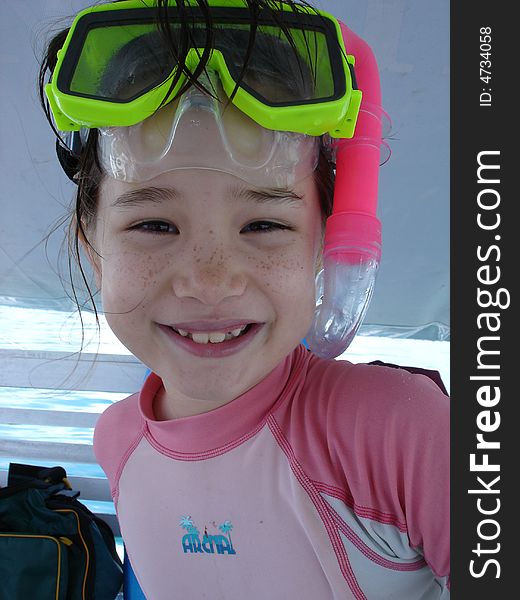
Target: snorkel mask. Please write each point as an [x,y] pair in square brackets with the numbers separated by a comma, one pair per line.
[148,123]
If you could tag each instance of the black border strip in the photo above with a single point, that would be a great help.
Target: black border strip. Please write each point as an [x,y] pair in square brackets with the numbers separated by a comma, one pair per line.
[484,127]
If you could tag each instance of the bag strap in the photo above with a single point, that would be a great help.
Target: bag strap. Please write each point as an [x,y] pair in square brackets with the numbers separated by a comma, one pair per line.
[19,472]
[21,477]
[435,376]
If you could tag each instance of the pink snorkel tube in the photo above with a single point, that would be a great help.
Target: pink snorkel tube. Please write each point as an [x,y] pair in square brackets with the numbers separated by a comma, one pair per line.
[352,247]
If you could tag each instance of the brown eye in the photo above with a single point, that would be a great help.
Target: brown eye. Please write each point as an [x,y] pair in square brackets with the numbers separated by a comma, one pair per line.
[265,226]
[155,227]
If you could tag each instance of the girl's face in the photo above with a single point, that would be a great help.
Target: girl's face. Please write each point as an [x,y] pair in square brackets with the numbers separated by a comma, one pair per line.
[198,245]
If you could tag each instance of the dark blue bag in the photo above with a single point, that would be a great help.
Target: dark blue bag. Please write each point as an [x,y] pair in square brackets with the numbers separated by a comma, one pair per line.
[51,545]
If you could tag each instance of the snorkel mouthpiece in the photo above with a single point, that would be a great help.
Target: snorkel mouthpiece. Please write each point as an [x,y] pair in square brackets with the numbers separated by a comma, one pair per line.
[352,245]
[344,286]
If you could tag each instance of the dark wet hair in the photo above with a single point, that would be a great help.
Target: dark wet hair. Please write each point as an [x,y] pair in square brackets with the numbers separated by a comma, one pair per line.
[81,162]
[283,74]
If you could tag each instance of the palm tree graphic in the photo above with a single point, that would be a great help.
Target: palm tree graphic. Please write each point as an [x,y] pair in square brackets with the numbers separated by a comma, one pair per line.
[226,527]
[186,522]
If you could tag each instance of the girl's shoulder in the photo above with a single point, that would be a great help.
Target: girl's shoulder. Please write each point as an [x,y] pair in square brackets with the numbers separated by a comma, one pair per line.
[120,418]
[375,393]
[117,430]
[377,376]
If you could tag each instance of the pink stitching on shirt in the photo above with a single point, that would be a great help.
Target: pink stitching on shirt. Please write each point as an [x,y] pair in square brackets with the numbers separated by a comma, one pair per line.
[362,511]
[319,503]
[126,456]
[369,553]
[195,456]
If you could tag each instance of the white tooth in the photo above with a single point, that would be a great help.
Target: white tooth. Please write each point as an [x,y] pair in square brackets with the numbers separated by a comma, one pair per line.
[215,337]
[182,332]
[200,338]
[238,331]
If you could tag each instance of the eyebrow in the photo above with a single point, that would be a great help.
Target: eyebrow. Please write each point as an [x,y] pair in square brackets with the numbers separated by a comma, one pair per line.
[146,195]
[157,195]
[275,196]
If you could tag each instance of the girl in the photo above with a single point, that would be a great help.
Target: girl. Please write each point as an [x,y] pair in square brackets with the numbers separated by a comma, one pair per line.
[208,139]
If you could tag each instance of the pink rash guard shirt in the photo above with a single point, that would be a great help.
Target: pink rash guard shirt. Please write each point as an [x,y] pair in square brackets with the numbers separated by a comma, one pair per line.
[327,480]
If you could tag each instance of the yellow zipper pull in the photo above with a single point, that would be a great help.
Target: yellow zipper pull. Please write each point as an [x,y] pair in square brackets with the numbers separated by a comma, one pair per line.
[65,541]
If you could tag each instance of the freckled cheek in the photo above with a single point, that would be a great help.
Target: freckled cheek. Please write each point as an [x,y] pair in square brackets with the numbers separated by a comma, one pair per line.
[127,278]
[287,273]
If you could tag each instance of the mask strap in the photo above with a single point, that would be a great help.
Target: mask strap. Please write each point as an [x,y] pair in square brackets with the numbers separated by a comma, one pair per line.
[68,155]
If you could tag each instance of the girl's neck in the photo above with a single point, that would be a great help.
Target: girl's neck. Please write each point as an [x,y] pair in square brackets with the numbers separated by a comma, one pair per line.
[167,408]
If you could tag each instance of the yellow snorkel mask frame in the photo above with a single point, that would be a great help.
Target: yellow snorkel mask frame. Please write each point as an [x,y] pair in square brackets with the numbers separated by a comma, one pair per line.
[98,34]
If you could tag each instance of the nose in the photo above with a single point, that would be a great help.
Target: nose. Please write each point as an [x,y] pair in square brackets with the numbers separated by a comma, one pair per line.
[210,272]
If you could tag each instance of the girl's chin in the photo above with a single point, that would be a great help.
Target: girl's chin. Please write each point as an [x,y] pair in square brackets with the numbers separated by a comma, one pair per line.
[214,385]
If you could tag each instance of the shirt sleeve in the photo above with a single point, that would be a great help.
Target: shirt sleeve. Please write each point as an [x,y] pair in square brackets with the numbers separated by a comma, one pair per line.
[394,449]
[422,462]
[416,454]
[117,432]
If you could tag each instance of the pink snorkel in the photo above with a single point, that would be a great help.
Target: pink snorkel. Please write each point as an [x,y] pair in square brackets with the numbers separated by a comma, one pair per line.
[352,248]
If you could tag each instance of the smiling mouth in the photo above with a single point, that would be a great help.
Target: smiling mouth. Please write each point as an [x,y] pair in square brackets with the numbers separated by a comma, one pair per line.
[213,337]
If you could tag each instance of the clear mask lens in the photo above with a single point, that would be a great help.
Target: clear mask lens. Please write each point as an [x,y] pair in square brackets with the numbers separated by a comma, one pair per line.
[198,131]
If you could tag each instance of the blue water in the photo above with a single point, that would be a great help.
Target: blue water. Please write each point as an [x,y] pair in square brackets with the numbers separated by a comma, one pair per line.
[91,402]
